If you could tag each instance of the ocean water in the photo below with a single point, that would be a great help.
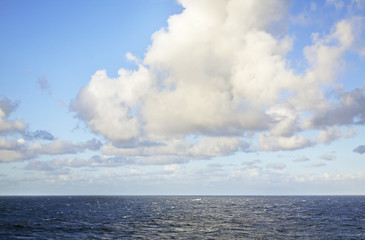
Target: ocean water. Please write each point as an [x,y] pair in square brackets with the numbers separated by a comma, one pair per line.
[182,217]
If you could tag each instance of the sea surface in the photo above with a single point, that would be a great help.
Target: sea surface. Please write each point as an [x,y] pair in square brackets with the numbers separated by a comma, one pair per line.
[182,217]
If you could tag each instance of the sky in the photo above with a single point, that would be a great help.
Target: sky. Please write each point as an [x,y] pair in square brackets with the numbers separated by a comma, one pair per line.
[165,97]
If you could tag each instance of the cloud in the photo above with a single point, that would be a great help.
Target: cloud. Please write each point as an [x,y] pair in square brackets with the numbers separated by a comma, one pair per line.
[11,127]
[317,164]
[62,147]
[39,134]
[11,155]
[330,134]
[159,160]
[7,106]
[348,110]
[277,166]
[40,166]
[107,105]
[301,159]
[360,149]
[11,151]
[350,6]
[10,144]
[327,156]
[220,72]
[98,161]
[21,144]
[306,16]
[173,179]
[57,164]
[205,147]
[251,163]
[8,126]
[43,84]
[272,143]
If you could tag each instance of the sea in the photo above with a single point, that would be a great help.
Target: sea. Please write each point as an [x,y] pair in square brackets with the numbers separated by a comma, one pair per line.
[182,217]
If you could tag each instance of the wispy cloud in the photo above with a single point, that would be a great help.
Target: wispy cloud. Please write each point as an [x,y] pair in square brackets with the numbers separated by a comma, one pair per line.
[301,159]
[39,134]
[251,163]
[6,125]
[327,156]
[43,84]
[11,150]
[317,164]
[276,165]
[360,149]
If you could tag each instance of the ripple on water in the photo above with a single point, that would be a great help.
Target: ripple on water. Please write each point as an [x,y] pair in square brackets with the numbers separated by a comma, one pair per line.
[103,217]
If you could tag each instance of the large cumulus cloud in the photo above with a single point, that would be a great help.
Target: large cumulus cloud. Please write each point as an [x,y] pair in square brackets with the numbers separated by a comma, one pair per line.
[220,72]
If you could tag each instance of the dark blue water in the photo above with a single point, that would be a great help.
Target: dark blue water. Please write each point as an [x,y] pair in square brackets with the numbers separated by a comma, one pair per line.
[114,217]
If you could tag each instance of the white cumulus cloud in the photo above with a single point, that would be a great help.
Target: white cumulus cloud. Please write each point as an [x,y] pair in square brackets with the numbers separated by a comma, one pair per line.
[220,71]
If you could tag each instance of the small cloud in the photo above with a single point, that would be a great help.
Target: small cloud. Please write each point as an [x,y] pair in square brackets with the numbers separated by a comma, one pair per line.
[277,166]
[40,134]
[39,166]
[301,159]
[61,103]
[171,167]
[318,164]
[251,163]
[327,157]
[132,58]
[43,84]
[360,149]
[7,106]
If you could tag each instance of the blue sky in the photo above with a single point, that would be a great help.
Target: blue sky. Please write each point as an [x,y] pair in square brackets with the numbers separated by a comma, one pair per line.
[187,97]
